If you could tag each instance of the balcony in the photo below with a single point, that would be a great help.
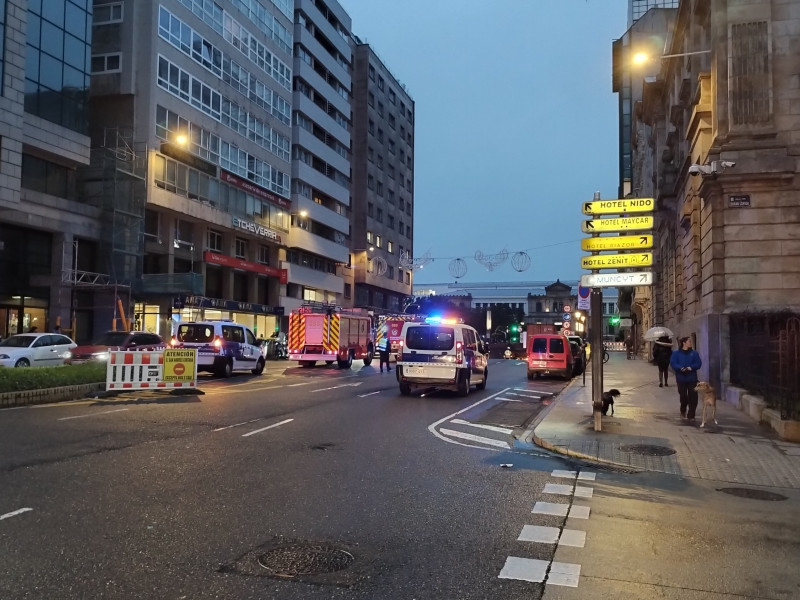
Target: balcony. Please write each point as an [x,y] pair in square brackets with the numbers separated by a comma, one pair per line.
[170,284]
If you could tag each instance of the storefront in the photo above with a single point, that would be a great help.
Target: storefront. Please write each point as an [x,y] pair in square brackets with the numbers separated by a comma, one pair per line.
[262,319]
[20,314]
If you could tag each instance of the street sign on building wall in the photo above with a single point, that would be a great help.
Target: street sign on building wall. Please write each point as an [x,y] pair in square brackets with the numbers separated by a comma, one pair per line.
[619,207]
[617,242]
[617,224]
[617,261]
[617,279]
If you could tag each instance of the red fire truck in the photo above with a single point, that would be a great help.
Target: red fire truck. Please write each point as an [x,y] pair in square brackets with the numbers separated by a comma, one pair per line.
[330,333]
[392,326]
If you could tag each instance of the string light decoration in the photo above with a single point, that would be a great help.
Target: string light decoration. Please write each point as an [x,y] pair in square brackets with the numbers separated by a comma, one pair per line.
[412,264]
[491,261]
[458,267]
[521,261]
[377,265]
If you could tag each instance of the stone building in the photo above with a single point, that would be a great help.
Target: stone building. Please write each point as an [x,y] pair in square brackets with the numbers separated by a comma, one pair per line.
[716,141]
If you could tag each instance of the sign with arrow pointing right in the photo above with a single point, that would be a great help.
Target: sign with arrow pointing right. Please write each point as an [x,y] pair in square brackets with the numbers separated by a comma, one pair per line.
[617,242]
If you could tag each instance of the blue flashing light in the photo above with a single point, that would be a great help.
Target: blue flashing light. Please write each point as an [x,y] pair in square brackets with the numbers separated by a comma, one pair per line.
[433,319]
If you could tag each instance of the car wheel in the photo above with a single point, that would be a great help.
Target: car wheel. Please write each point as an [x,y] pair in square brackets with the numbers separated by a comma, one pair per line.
[482,384]
[464,384]
[226,370]
[347,363]
[259,367]
[23,362]
[405,389]
[531,375]
[368,357]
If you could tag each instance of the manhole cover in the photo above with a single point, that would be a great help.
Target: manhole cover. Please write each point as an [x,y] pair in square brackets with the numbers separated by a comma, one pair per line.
[301,559]
[753,494]
[647,450]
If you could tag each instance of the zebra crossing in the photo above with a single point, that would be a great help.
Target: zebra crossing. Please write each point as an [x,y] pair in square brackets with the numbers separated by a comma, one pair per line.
[552,572]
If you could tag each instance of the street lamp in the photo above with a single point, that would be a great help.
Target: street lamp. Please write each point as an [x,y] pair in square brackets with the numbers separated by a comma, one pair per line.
[640,58]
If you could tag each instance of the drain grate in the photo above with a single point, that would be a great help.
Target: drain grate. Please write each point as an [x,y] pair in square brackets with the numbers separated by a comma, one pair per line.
[753,494]
[297,560]
[647,450]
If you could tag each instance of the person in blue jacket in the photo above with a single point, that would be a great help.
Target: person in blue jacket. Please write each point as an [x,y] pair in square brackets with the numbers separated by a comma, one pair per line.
[686,362]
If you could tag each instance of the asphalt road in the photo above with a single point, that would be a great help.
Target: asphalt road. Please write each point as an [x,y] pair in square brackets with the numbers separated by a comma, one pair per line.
[365,493]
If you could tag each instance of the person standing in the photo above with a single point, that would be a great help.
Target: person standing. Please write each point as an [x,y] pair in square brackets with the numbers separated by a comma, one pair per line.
[662,353]
[685,361]
[383,351]
[629,346]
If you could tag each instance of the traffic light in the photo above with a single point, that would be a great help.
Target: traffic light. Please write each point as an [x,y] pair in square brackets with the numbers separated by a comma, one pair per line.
[513,333]
[613,320]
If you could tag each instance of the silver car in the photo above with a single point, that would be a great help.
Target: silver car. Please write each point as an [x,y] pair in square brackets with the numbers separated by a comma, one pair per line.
[35,350]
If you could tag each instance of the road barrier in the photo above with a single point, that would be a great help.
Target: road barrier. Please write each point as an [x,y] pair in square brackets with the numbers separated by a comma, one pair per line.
[615,346]
[169,369]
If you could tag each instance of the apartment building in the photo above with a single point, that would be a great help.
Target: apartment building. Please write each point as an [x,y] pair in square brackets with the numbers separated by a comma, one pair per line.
[44,93]
[383,185]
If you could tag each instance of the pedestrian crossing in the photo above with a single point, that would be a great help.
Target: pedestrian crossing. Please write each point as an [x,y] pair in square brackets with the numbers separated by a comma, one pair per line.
[553,572]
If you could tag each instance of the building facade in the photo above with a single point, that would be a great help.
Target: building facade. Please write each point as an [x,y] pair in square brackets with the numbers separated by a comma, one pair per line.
[716,140]
[383,185]
[44,139]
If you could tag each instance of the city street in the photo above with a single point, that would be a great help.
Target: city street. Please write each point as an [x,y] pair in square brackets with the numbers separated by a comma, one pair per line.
[365,493]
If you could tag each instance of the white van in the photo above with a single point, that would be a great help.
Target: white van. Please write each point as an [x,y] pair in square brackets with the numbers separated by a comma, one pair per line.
[222,346]
[441,354]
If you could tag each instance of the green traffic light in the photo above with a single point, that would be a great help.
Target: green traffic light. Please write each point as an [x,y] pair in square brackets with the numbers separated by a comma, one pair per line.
[614,320]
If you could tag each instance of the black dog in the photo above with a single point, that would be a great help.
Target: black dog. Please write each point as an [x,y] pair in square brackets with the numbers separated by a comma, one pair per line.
[608,400]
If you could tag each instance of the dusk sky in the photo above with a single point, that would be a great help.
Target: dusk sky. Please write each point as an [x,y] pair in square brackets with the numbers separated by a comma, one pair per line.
[516,125]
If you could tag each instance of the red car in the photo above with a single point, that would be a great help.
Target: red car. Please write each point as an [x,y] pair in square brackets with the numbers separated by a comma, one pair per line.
[115,340]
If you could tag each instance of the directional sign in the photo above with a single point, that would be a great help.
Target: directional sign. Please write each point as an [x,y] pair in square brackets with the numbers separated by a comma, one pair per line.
[566,316]
[617,242]
[617,279]
[617,261]
[617,207]
[618,224]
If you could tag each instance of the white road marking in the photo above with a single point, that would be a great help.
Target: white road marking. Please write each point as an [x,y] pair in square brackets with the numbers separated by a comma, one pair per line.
[15,513]
[579,512]
[481,426]
[563,473]
[535,533]
[566,574]
[370,394]
[572,537]
[296,384]
[236,425]
[526,569]
[432,427]
[476,438]
[583,492]
[587,476]
[557,488]
[105,412]
[337,387]
[533,391]
[268,427]
[550,508]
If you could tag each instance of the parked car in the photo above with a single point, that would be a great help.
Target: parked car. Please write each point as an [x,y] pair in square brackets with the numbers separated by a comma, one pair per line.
[222,346]
[549,354]
[35,350]
[115,340]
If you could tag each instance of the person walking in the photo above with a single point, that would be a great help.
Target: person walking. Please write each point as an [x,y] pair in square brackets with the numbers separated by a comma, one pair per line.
[662,353]
[685,361]
[383,351]
[629,347]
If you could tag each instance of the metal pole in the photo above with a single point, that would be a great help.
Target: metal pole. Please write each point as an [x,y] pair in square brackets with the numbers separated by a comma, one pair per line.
[596,318]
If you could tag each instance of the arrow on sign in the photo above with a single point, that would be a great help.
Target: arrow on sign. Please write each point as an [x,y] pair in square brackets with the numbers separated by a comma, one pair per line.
[589,224]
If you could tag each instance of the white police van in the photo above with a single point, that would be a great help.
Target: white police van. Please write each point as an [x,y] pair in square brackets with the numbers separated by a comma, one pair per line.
[443,354]
[222,346]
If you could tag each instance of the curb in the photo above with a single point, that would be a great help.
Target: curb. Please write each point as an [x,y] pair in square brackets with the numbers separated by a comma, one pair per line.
[49,395]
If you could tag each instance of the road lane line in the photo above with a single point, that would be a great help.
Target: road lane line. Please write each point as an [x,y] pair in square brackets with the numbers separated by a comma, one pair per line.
[14,513]
[432,427]
[336,387]
[105,412]
[481,426]
[236,425]
[370,394]
[476,438]
[268,427]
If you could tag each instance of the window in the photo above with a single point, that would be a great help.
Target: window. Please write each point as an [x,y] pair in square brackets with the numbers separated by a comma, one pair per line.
[392,96]
[380,215]
[390,272]
[107,13]
[400,275]
[106,63]
[379,188]
[263,255]
[214,240]
[380,83]
[348,288]
[371,127]
[369,237]
[402,228]
[408,232]
[391,121]
[378,241]
[380,134]
[390,245]
[370,207]
[372,77]
[408,277]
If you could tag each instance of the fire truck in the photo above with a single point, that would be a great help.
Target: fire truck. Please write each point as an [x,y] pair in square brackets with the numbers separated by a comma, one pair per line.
[393,328]
[330,333]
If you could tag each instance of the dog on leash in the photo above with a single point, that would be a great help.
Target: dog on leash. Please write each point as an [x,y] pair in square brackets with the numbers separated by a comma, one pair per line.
[608,400]
[709,401]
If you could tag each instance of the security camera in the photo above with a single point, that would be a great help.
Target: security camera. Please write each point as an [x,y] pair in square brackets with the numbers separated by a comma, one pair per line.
[724,164]
[696,170]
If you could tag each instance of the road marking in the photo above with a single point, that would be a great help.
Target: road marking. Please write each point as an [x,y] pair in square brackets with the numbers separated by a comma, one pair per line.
[550,508]
[535,533]
[510,399]
[587,476]
[481,426]
[563,473]
[557,488]
[526,569]
[583,492]
[337,387]
[432,427]
[566,574]
[579,512]
[14,513]
[543,393]
[268,427]
[105,412]
[236,425]
[475,438]
[370,394]
[572,537]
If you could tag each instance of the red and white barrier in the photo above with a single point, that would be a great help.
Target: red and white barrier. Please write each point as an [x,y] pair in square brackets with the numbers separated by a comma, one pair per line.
[140,371]
[615,346]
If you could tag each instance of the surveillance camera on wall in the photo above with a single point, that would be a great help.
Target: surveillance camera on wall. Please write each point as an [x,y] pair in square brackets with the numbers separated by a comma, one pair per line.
[716,167]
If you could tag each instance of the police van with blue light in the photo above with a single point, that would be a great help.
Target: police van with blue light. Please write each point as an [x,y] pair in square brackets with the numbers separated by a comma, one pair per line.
[222,346]
[443,354]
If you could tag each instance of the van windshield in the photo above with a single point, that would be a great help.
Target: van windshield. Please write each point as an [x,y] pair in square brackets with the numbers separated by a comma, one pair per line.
[430,338]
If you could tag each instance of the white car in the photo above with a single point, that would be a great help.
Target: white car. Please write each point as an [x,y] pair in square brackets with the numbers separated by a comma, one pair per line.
[35,350]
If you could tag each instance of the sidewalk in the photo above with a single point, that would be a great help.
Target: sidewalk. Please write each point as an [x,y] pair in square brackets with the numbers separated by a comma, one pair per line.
[647,432]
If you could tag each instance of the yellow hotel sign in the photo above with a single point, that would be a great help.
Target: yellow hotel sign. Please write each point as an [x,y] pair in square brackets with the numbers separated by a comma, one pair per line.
[617,261]
[617,224]
[616,207]
[617,242]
